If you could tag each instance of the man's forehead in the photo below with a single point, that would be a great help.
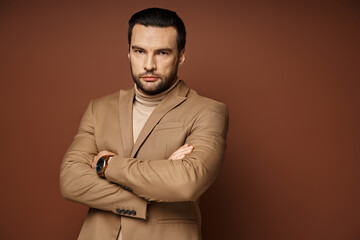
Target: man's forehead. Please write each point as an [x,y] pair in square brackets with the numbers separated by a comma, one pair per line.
[149,36]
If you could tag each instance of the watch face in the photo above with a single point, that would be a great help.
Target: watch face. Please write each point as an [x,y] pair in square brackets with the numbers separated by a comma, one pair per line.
[100,165]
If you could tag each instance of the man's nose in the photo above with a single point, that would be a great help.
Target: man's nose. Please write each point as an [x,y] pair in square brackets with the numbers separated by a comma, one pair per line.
[150,63]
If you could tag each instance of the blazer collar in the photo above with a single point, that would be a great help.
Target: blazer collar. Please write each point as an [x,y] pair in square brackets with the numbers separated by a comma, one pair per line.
[173,99]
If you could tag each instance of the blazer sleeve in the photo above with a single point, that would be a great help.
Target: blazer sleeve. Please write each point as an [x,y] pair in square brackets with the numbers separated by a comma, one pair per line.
[179,180]
[80,183]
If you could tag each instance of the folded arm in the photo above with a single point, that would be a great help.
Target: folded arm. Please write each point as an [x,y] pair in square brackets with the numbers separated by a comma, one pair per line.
[184,179]
[80,183]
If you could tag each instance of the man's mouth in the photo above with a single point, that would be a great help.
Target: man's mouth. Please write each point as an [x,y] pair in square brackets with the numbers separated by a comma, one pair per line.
[150,78]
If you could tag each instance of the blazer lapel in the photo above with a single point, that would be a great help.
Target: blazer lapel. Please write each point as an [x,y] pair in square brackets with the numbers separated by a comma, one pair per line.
[126,99]
[173,99]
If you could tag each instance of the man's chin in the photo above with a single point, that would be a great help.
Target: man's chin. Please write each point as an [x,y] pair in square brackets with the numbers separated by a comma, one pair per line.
[150,90]
[150,87]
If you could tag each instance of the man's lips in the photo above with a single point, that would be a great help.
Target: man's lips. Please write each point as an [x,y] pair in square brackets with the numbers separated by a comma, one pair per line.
[149,78]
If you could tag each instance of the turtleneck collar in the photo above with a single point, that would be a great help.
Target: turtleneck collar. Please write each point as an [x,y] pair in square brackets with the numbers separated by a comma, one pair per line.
[153,100]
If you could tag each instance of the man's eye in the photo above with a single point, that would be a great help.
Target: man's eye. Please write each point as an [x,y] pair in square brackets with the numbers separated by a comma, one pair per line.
[139,51]
[163,53]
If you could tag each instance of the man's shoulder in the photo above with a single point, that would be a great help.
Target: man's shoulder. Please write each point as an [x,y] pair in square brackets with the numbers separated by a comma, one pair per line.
[206,113]
[111,98]
[204,103]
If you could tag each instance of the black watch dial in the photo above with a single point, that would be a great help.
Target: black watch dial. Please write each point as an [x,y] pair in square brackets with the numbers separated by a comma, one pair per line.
[100,165]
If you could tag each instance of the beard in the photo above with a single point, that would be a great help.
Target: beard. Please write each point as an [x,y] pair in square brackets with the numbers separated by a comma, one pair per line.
[162,85]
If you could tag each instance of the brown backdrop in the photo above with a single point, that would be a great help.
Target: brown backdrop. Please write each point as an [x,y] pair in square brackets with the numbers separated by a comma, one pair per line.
[289,72]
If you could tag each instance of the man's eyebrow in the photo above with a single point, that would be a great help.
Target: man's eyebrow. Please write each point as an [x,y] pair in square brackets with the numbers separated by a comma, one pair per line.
[158,50]
[136,47]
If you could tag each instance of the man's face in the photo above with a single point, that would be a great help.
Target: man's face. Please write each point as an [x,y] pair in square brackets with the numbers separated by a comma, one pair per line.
[153,58]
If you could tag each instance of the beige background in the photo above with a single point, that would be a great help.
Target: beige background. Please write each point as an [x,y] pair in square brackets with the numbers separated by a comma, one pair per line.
[288,71]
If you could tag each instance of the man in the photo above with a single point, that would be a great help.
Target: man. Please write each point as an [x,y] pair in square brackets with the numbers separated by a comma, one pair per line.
[143,157]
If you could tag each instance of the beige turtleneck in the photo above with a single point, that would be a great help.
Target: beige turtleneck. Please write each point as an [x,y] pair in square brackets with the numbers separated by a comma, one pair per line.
[144,105]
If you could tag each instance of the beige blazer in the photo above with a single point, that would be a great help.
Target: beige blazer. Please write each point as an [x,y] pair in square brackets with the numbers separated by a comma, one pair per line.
[146,195]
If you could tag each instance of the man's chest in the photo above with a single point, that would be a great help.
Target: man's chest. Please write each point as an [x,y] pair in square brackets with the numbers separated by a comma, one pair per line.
[157,140]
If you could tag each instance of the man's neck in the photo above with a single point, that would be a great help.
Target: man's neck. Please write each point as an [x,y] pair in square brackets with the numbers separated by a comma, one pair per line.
[152,100]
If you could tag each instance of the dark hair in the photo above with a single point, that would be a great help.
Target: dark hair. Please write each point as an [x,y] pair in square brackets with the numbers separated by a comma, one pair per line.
[158,17]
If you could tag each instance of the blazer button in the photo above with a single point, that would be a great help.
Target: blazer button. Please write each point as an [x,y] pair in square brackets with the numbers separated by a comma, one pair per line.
[127,212]
[118,210]
[122,211]
[133,212]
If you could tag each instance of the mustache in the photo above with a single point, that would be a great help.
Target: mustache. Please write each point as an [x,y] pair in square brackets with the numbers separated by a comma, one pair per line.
[148,73]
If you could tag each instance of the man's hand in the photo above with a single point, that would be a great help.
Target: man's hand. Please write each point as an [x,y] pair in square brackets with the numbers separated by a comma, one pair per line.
[97,157]
[181,152]
[177,155]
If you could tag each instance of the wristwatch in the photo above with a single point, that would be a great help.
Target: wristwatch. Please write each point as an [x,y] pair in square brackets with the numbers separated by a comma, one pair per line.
[102,164]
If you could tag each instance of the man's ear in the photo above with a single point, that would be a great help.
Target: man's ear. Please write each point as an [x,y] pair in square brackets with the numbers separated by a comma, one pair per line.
[182,57]
[129,52]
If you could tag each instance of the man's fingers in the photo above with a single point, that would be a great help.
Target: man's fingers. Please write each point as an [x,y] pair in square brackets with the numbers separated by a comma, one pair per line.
[178,157]
[181,152]
[99,155]
[184,151]
[183,146]
[104,152]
